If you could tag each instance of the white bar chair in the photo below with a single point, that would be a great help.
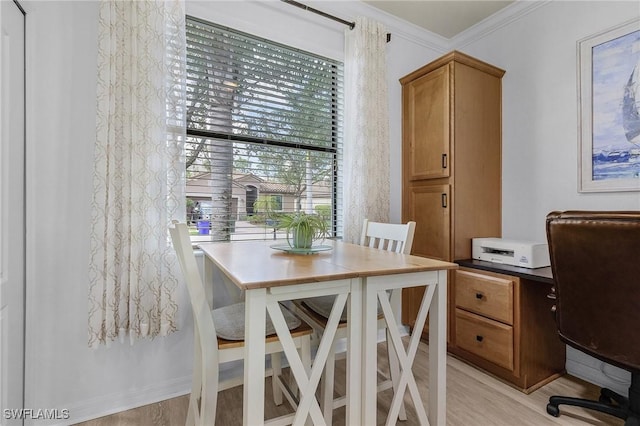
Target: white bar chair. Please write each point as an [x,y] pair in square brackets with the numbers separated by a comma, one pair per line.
[219,338]
[397,238]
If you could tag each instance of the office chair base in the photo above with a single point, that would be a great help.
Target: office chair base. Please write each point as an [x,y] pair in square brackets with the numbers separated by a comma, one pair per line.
[555,401]
[620,409]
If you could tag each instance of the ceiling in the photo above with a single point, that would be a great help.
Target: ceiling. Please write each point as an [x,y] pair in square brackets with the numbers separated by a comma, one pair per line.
[443,17]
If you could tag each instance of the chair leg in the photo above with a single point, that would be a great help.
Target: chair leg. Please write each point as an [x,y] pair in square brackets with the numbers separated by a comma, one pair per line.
[293,385]
[196,388]
[209,396]
[327,385]
[193,413]
[305,353]
[305,357]
[276,368]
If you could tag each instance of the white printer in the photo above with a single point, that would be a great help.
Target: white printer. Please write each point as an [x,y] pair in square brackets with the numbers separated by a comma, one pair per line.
[511,252]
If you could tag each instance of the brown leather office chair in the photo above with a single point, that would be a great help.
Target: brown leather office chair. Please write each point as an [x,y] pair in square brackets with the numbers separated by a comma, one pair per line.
[595,258]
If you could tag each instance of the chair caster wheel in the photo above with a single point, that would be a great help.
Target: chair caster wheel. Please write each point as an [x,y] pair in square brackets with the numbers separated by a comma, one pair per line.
[553,410]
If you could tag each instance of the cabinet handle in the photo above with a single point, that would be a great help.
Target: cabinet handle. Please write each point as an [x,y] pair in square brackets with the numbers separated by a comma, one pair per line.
[479,296]
[444,161]
[479,338]
[444,200]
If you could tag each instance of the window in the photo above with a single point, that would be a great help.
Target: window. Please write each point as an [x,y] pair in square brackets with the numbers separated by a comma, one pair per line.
[276,202]
[263,134]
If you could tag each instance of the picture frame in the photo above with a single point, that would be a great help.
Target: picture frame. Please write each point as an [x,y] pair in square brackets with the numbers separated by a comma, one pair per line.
[609,109]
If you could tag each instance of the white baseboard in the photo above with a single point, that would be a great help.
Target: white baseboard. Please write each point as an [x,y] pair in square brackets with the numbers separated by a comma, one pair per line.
[597,372]
[81,411]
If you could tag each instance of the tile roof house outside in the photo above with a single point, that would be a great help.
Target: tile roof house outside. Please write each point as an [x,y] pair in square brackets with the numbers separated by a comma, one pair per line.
[246,188]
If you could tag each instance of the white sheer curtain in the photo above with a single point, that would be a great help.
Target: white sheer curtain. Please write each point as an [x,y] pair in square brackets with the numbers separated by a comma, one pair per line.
[366,142]
[138,169]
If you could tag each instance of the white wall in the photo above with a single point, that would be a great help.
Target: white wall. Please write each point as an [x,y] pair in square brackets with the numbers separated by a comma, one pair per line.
[539,113]
[62,372]
[540,128]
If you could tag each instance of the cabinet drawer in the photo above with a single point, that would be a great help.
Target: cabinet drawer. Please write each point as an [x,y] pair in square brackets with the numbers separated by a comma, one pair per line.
[485,295]
[489,339]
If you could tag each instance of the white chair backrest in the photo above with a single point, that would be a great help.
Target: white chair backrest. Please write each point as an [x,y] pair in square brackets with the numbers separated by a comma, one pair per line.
[201,311]
[388,236]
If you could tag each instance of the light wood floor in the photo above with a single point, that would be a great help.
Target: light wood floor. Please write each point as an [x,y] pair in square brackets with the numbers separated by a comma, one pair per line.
[473,399]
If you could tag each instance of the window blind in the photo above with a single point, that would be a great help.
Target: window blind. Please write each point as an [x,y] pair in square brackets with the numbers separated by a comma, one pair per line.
[264,127]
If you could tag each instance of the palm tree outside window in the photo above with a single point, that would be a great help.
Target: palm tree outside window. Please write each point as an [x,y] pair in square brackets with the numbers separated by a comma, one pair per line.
[263,120]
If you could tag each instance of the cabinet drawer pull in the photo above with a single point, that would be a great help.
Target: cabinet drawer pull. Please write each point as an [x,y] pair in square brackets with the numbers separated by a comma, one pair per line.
[444,200]
[479,296]
[444,161]
[479,338]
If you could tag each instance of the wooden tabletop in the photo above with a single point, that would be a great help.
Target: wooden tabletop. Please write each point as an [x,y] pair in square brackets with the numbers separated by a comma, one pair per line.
[254,264]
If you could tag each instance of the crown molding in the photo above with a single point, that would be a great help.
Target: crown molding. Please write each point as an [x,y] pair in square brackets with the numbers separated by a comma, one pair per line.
[502,18]
[349,10]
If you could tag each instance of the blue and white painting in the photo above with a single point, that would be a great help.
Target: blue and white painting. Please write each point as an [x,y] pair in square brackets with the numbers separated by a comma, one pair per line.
[616,106]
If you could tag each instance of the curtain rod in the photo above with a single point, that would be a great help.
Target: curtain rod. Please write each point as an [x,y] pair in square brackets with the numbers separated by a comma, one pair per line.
[351,25]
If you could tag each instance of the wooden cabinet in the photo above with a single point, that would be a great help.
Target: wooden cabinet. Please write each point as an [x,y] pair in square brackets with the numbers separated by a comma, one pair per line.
[451,159]
[504,325]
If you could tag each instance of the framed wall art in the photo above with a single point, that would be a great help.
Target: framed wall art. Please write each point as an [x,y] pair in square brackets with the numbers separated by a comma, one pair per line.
[609,109]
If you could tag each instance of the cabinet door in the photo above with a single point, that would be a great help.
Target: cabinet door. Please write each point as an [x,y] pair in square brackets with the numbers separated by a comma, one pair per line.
[427,125]
[429,207]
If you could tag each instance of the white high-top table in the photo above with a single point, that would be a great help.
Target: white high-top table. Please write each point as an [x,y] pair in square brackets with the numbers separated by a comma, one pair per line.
[268,276]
